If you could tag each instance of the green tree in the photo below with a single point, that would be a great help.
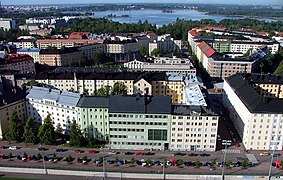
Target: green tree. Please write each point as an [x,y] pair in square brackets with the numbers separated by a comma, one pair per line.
[116,161]
[76,135]
[197,163]
[229,163]
[245,163]
[213,163]
[144,51]
[15,132]
[279,69]
[69,158]
[132,161]
[59,129]
[155,52]
[46,133]
[119,88]
[181,162]
[10,156]
[149,162]
[30,131]
[39,156]
[103,91]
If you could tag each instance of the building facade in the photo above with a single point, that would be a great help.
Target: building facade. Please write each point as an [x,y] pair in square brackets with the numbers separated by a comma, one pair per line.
[193,128]
[60,105]
[256,117]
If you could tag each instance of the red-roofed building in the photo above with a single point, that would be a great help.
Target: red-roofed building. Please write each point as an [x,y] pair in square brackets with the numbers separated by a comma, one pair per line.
[204,52]
[21,62]
[78,35]
[214,28]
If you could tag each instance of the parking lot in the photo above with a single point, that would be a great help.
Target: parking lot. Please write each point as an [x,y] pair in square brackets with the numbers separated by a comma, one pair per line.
[137,161]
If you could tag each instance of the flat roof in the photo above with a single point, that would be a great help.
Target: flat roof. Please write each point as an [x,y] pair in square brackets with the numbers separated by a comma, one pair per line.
[194,96]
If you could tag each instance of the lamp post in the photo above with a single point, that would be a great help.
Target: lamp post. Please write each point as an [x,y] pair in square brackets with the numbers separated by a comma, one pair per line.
[272,157]
[43,160]
[225,143]
[164,163]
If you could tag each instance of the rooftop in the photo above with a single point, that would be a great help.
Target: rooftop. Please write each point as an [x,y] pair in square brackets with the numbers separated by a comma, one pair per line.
[28,50]
[242,85]
[93,102]
[66,98]
[140,104]
[194,96]
[13,58]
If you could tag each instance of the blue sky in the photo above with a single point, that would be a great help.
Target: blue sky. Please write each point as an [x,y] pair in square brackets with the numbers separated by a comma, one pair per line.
[24,2]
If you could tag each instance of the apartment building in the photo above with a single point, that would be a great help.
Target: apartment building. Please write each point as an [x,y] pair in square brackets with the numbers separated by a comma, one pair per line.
[139,122]
[135,65]
[88,51]
[60,105]
[193,128]
[222,65]
[93,116]
[60,57]
[231,41]
[121,47]
[7,23]
[33,52]
[165,43]
[20,62]
[27,43]
[11,100]
[255,109]
[68,43]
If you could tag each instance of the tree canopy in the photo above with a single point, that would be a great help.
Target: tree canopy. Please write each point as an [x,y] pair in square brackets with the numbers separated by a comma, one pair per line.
[76,136]
[15,132]
[46,132]
[30,131]
[119,88]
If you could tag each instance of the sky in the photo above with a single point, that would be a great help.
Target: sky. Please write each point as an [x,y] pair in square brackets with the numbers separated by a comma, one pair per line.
[39,2]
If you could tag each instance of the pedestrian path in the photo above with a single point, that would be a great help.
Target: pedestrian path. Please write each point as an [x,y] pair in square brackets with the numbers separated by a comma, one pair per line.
[232,151]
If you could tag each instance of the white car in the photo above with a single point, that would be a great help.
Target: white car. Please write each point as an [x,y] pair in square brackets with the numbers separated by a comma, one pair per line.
[13,148]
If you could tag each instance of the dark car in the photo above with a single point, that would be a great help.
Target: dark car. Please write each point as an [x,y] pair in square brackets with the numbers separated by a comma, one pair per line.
[42,149]
[110,161]
[204,155]
[179,154]
[129,153]
[61,150]
[149,153]
[192,154]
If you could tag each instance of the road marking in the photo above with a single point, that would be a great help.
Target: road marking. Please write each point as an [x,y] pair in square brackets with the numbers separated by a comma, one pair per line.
[231,151]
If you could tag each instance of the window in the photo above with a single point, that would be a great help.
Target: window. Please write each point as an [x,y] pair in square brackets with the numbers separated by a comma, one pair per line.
[157,134]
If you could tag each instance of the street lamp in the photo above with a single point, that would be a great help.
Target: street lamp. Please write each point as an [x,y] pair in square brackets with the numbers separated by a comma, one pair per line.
[272,157]
[43,160]
[225,143]
[163,168]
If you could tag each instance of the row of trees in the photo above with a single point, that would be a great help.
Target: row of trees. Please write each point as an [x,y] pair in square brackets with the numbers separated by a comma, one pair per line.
[119,88]
[29,132]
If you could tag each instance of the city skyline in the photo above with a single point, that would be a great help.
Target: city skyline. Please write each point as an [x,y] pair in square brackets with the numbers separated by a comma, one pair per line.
[51,2]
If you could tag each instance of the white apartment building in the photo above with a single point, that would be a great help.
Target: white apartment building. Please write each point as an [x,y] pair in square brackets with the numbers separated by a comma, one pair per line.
[243,47]
[7,23]
[173,60]
[257,118]
[192,130]
[33,52]
[135,65]
[60,105]
[165,43]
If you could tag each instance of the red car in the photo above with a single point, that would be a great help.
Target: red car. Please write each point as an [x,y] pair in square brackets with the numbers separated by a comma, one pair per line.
[78,151]
[139,153]
[92,151]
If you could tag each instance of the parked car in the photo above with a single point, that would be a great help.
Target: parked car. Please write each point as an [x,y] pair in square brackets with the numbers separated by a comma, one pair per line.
[92,151]
[264,154]
[139,153]
[13,148]
[110,161]
[192,154]
[204,155]
[42,149]
[129,153]
[113,152]
[60,150]
[275,154]
[179,154]
[78,151]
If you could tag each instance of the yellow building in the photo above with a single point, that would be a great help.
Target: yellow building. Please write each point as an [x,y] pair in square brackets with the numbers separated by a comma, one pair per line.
[10,102]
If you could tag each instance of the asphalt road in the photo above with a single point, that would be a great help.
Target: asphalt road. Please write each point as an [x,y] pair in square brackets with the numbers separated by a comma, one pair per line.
[261,169]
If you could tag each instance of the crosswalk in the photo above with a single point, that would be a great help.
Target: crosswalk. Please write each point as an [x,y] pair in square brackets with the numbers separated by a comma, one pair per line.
[232,151]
